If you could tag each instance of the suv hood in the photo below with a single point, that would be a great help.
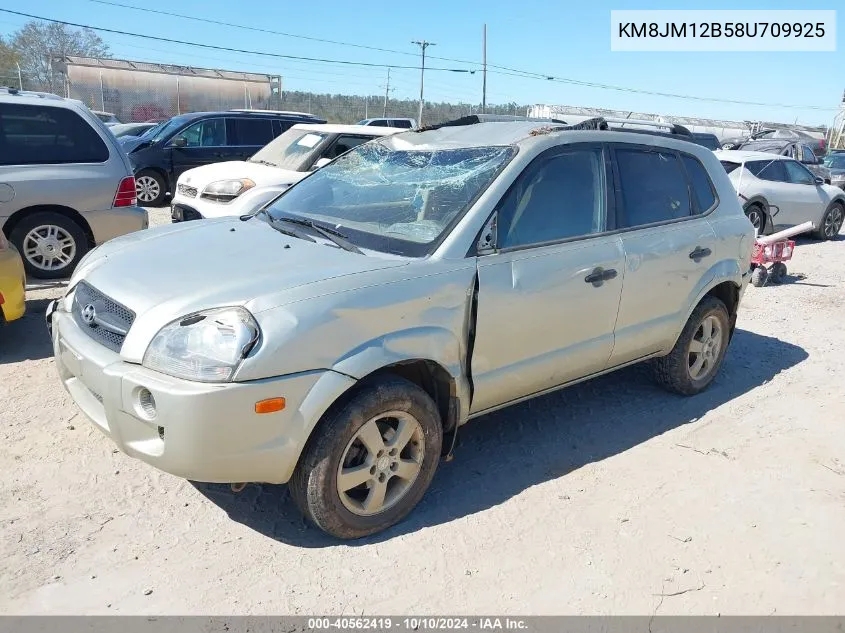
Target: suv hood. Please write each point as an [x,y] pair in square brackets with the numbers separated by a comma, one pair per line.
[262,175]
[171,271]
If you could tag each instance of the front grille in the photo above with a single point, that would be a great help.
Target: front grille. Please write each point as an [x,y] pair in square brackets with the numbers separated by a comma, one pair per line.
[104,320]
[186,190]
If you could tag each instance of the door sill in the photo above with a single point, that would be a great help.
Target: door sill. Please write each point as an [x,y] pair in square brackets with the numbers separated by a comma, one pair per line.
[537,394]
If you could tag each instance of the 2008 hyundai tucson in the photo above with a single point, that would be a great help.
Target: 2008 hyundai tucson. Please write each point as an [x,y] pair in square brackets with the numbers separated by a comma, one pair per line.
[337,338]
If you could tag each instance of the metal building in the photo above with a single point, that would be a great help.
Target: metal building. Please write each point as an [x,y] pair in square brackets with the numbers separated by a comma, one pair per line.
[141,91]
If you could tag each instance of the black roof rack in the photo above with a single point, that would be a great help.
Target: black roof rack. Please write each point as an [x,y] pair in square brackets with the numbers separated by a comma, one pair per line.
[557,125]
[472,119]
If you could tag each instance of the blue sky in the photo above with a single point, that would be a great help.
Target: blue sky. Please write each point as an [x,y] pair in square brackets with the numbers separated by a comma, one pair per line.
[566,39]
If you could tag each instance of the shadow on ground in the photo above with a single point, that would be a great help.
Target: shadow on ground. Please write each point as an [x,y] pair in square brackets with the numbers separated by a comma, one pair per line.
[501,454]
[27,338]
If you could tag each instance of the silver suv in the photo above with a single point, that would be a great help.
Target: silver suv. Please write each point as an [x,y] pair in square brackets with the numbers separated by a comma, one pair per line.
[337,338]
[65,183]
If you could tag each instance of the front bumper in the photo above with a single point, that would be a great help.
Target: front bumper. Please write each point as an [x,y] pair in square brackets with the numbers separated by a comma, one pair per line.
[202,432]
[12,285]
[183,213]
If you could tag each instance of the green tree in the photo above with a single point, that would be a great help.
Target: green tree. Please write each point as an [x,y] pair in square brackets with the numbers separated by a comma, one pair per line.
[8,66]
[36,43]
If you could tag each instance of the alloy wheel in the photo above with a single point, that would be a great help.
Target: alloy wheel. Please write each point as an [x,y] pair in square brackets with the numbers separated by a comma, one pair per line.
[705,347]
[380,463]
[756,219]
[49,247]
[833,222]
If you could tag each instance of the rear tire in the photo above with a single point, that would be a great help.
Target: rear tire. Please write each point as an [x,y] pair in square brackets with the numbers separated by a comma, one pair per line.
[759,277]
[778,273]
[384,443]
[695,360]
[757,216]
[50,244]
[831,223]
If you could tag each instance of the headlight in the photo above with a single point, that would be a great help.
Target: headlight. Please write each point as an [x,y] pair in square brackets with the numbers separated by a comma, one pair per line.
[205,346]
[226,190]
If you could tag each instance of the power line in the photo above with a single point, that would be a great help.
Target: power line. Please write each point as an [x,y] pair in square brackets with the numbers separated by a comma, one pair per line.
[499,69]
[227,48]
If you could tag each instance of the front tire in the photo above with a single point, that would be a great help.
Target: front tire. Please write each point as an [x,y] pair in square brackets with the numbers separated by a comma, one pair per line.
[369,462]
[831,223]
[150,188]
[51,244]
[695,360]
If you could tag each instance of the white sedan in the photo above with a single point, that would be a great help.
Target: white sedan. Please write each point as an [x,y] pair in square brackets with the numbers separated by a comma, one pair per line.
[225,189]
[778,192]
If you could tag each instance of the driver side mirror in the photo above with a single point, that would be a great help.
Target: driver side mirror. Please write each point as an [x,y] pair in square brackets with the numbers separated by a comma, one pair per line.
[819,180]
[322,162]
[179,141]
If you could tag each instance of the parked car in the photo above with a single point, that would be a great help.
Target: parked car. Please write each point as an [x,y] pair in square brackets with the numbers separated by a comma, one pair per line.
[130,129]
[12,282]
[210,191]
[816,145]
[705,139]
[779,192]
[406,124]
[65,183]
[106,117]
[801,152]
[337,339]
[836,164]
[191,140]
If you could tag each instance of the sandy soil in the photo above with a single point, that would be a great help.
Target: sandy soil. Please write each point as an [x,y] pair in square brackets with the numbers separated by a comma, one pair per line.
[609,497]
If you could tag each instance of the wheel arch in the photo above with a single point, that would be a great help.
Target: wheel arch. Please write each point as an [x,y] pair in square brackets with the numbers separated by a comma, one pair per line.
[724,282]
[763,203]
[72,214]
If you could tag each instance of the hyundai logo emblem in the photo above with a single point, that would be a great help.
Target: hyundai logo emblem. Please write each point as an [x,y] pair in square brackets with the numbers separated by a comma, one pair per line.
[89,314]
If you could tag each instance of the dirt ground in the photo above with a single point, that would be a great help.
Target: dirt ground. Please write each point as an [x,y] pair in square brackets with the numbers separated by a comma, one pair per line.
[609,497]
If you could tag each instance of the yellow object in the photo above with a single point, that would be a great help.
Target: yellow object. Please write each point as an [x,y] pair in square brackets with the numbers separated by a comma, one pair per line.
[12,282]
[270,405]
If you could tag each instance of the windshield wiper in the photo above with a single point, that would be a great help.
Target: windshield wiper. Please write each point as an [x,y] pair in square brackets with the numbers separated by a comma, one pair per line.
[263,162]
[332,235]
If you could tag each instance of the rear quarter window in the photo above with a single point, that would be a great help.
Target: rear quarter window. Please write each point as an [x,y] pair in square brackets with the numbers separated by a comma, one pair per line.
[702,188]
[41,135]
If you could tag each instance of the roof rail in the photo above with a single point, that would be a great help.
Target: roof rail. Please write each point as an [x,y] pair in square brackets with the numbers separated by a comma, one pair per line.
[673,128]
[289,112]
[472,119]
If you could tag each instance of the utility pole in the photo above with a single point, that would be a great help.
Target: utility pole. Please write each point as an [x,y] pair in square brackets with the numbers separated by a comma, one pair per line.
[484,63]
[423,45]
[20,78]
[386,94]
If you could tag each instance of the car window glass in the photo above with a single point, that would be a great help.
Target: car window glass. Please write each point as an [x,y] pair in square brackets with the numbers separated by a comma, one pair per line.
[343,144]
[254,131]
[798,174]
[563,197]
[654,187]
[809,156]
[208,133]
[379,123]
[38,135]
[771,170]
[702,188]
[403,123]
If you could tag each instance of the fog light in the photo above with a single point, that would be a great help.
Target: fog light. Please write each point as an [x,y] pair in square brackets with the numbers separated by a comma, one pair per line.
[146,403]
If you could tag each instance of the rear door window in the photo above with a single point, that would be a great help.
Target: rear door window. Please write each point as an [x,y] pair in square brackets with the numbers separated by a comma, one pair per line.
[39,135]
[403,123]
[253,131]
[653,187]
[767,170]
[208,133]
[702,188]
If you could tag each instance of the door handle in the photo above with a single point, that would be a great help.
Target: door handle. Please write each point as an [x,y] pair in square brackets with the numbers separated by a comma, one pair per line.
[600,275]
[699,253]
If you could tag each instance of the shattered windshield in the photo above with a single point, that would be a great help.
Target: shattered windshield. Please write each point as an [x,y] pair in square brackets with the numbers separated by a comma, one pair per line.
[294,150]
[395,201]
